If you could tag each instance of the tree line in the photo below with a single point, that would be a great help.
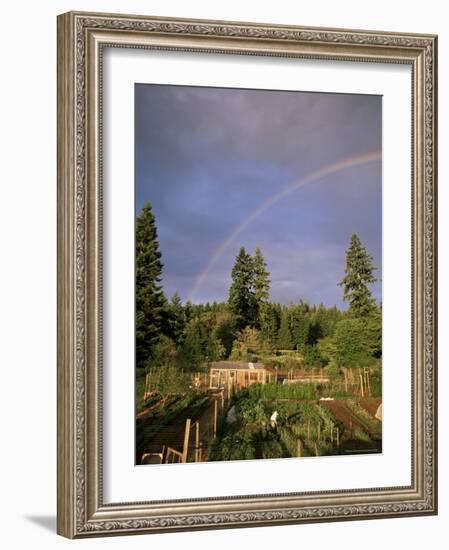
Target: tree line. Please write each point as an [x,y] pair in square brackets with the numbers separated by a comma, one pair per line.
[248,326]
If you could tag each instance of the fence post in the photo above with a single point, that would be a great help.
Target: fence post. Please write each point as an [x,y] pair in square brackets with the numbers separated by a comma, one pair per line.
[185,448]
[298,447]
[215,416]
[197,441]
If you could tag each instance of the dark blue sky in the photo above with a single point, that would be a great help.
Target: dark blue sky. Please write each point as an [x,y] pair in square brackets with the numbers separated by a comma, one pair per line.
[212,161]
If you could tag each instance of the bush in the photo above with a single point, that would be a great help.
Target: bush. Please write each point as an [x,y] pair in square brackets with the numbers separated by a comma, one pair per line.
[284,391]
[234,446]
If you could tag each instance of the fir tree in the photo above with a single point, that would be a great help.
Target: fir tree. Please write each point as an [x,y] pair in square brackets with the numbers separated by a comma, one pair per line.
[285,340]
[358,275]
[177,319]
[269,323]
[241,294]
[261,278]
[151,304]
[300,323]
[261,286]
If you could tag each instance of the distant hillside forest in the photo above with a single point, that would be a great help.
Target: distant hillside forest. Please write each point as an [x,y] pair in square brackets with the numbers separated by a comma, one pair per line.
[174,336]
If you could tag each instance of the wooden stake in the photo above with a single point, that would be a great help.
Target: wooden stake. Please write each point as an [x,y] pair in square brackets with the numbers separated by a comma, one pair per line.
[361,385]
[215,417]
[197,441]
[298,447]
[185,448]
[338,436]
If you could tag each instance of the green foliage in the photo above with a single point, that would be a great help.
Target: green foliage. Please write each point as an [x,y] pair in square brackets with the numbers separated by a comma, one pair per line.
[361,435]
[168,380]
[261,285]
[224,329]
[234,446]
[376,381]
[283,391]
[202,343]
[248,346]
[273,448]
[269,323]
[177,319]
[300,320]
[358,275]
[312,357]
[356,342]
[241,292]
[284,361]
[251,411]
[285,339]
[250,290]
[364,416]
[164,353]
[143,404]
[151,304]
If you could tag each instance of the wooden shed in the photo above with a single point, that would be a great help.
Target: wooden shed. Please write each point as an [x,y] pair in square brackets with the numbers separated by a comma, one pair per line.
[239,374]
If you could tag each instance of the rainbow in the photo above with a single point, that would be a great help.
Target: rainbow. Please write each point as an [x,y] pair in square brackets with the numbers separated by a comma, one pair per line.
[292,187]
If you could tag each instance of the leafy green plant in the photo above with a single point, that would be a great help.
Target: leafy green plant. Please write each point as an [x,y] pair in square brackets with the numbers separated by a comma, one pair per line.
[284,391]
[361,435]
[364,417]
[234,446]
[272,448]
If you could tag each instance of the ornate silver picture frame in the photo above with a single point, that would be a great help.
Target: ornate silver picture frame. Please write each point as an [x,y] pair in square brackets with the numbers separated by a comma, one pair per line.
[82,41]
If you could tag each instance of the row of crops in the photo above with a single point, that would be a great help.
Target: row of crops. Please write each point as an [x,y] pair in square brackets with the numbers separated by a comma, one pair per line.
[302,428]
[369,422]
[303,425]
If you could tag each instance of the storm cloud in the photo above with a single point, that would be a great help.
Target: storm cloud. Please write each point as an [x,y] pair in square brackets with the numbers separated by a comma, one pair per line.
[207,158]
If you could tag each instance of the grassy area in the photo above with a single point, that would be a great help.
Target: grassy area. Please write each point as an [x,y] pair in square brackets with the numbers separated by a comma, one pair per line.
[284,391]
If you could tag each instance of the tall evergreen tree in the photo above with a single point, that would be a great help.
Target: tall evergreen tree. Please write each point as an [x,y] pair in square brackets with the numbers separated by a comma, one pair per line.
[300,322]
[261,278]
[359,273]
[241,294]
[177,319]
[285,340]
[261,287]
[269,323]
[150,300]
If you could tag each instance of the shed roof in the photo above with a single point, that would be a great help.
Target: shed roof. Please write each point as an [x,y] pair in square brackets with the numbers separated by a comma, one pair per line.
[238,365]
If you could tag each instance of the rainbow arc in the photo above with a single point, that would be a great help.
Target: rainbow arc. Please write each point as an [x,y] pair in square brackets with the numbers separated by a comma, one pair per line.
[328,170]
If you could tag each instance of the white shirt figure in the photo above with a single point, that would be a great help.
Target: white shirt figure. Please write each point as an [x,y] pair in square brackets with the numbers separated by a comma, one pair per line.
[273,419]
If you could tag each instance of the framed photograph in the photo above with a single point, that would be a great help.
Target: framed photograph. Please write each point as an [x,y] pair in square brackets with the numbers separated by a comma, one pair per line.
[246,274]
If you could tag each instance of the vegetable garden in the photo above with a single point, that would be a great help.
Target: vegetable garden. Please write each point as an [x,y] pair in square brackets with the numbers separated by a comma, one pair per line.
[304,424]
